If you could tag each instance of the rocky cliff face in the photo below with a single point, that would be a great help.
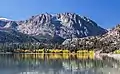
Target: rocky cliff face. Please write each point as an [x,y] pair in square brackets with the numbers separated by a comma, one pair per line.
[112,38]
[62,26]
[113,35]
[106,43]
[65,25]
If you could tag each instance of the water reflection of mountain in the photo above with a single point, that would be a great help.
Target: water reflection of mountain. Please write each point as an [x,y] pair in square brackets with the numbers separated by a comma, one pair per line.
[22,65]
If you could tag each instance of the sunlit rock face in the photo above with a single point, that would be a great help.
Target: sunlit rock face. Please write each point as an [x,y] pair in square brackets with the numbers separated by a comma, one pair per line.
[113,35]
[65,25]
[107,42]
[62,26]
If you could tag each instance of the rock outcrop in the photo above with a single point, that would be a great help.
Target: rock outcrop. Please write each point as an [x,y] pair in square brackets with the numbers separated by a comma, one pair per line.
[106,43]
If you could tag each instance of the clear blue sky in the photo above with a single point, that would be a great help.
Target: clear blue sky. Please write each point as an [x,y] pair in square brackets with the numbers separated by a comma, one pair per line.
[105,12]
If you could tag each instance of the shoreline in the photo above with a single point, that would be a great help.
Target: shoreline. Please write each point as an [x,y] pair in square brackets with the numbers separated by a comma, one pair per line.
[98,55]
[115,56]
[40,53]
[3,53]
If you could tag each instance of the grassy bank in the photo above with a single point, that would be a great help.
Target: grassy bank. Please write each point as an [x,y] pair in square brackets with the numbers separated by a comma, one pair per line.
[116,52]
[51,56]
[54,51]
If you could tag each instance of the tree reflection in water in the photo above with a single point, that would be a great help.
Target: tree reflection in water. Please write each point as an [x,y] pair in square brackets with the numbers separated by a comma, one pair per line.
[57,64]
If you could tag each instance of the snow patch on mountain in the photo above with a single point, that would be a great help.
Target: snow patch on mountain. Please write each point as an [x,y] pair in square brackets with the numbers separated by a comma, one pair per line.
[5,19]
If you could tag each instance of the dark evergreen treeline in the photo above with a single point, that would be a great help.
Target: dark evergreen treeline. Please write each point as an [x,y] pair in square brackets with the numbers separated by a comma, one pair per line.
[11,47]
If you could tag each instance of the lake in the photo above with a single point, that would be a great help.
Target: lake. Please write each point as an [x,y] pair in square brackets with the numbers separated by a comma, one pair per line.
[57,64]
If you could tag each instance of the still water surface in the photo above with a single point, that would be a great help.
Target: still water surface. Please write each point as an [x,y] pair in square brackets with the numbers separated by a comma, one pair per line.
[57,64]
